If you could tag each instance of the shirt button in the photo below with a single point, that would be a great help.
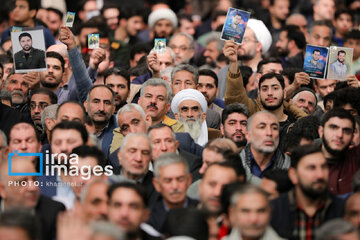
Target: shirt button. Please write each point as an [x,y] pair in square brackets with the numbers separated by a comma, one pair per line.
[340,179]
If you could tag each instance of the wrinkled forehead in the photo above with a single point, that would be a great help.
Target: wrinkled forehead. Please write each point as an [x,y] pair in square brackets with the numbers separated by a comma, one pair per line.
[189,103]
[264,118]
[138,142]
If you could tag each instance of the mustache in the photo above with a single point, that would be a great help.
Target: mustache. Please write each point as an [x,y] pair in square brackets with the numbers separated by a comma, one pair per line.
[176,191]
[100,112]
[152,105]
[239,132]
[320,181]
[18,92]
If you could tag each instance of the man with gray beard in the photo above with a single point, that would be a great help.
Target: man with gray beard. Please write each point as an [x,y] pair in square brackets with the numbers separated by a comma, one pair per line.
[262,152]
[189,107]
[17,87]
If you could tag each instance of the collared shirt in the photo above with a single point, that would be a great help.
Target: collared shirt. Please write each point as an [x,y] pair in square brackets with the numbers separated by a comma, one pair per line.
[255,168]
[305,226]
[339,69]
[186,203]
[100,135]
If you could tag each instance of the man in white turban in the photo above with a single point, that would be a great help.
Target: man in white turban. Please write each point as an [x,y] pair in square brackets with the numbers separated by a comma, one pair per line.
[189,107]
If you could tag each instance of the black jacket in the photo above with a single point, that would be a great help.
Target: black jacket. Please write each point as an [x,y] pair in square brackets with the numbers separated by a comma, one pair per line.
[283,216]
[158,212]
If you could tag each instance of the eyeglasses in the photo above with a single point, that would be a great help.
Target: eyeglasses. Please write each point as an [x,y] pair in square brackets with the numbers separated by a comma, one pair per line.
[181,48]
[249,40]
[40,105]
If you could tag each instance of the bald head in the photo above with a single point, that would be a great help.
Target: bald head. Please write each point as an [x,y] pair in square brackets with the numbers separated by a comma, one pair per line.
[59,48]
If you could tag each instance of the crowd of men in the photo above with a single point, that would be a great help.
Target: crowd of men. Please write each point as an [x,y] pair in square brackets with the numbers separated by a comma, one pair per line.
[207,139]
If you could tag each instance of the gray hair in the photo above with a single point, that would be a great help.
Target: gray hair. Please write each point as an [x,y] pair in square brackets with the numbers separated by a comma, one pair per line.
[154,82]
[85,190]
[3,139]
[167,159]
[189,37]
[188,68]
[108,229]
[252,117]
[332,229]
[131,135]
[215,36]
[130,107]
[246,189]
[5,95]
[48,112]
[167,72]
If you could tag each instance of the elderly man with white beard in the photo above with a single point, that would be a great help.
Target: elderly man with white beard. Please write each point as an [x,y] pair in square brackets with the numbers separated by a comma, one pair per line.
[189,107]
[262,152]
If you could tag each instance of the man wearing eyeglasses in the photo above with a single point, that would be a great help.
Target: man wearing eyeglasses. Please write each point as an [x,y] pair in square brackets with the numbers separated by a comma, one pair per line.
[40,99]
[183,46]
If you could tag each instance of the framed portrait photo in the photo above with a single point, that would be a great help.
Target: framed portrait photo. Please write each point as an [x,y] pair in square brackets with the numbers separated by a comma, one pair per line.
[29,50]
[235,25]
[340,60]
[315,62]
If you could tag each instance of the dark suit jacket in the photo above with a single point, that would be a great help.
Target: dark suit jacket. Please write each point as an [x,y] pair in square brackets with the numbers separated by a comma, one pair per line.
[47,211]
[9,117]
[108,136]
[158,212]
[187,143]
[35,60]
[152,194]
[194,164]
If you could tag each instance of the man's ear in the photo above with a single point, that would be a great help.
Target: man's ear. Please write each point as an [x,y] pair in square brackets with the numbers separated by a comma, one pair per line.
[176,116]
[321,131]
[86,105]
[156,184]
[284,93]
[292,175]
[32,13]
[176,144]
[119,156]
[203,117]
[222,129]
[168,107]
[247,136]
[148,120]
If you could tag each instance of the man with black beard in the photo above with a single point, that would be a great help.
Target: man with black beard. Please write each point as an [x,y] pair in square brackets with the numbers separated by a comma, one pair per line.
[233,123]
[271,92]
[298,213]
[336,130]
[29,57]
[119,81]
[290,46]
[52,78]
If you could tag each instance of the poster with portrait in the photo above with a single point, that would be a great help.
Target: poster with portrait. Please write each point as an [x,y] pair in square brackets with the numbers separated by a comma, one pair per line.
[315,62]
[235,25]
[29,50]
[93,41]
[340,60]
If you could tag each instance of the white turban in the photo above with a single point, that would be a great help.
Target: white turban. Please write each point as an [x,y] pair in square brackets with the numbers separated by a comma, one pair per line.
[262,33]
[163,13]
[188,94]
